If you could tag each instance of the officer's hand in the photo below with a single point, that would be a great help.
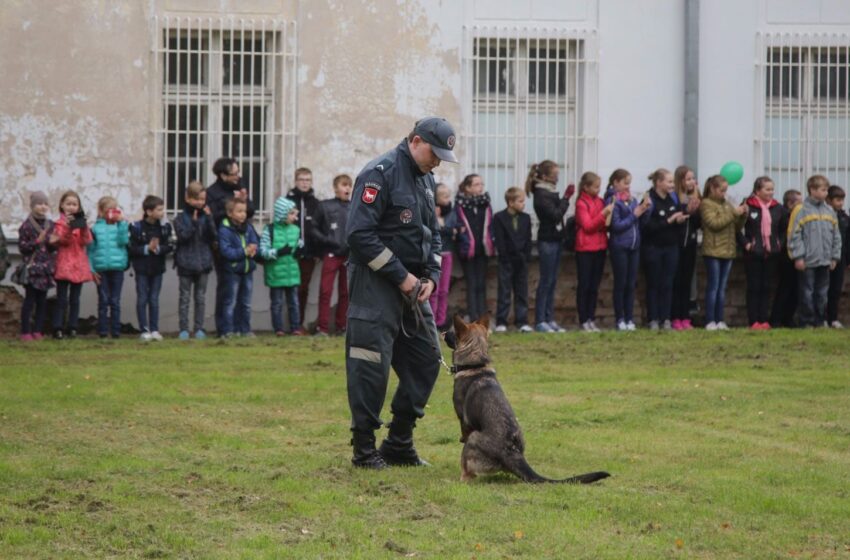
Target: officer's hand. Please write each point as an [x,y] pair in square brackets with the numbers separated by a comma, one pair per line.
[427,289]
[408,285]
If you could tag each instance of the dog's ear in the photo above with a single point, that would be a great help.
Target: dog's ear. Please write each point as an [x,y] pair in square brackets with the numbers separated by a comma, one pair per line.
[484,321]
[460,326]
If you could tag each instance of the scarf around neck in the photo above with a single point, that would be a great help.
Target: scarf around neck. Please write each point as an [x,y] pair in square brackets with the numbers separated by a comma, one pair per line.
[766,222]
[468,202]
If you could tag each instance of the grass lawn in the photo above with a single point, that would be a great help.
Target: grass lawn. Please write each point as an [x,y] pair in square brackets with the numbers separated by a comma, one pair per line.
[721,445]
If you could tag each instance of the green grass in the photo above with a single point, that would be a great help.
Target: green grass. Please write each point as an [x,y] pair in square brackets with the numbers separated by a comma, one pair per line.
[721,445]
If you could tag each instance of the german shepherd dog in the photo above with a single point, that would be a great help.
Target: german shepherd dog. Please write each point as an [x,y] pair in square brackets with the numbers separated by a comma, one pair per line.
[489,429]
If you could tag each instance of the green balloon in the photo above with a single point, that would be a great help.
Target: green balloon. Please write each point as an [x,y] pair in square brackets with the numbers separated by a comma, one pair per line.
[732,171]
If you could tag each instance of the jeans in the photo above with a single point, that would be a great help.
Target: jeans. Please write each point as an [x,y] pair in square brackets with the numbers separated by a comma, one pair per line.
[237,303]
[331,267]
[659,264]
[624,263]
[37,299]
[760,280]
[307,266]
[63,290]
[681,308]
[814,289]
[198,282]
[513,277]
[589,265]
[716,277]
[440,298]
[475,270]
[109,302]
[277,297]
[836,283]
[147,301]
[550,264]
[785,302]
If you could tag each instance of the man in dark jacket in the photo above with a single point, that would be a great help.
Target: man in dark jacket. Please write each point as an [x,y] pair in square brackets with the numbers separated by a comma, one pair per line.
[394,266]
[512,233]
[226,187]
[329,240]
[308,205]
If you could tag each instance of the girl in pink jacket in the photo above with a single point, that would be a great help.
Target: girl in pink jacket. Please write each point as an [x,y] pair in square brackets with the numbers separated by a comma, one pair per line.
[71,235]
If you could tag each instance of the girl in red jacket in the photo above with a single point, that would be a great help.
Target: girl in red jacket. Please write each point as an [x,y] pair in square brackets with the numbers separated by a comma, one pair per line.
[591,246]
[71,235]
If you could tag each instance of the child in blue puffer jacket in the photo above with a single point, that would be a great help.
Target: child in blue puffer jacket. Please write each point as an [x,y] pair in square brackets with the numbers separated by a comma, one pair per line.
[238,243]
[108,259]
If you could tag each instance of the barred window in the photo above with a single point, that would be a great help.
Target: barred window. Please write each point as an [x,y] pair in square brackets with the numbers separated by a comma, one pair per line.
[226,89]
[526,100]
[805,102]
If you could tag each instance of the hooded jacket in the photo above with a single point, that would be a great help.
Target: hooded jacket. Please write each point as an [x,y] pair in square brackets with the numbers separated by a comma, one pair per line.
[590,224]
[813,233]
[720,225]
[72,261]
[281,271]
[39,256]
[232,242]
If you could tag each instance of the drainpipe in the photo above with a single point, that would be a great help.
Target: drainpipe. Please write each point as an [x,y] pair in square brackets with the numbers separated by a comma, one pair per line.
[691,140]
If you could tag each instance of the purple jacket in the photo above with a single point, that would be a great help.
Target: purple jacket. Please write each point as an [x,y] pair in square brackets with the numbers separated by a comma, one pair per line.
[625,226]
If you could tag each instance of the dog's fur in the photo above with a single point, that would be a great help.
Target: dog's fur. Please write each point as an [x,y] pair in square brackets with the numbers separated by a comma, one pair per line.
[489,429]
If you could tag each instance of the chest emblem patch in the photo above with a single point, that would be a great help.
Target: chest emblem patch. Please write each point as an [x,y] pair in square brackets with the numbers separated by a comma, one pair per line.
[406,216]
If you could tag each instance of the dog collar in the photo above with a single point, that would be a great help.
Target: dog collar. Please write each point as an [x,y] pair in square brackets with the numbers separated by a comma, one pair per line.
[464,367]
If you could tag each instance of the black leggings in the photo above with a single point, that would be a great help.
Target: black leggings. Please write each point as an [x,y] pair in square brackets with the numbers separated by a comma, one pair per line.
[681,307]
[760,280]
[590,266]
[836,282]
[37,299]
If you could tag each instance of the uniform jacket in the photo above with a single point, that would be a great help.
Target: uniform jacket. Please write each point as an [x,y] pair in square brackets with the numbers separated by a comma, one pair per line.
[656,231]
[720,227]
[329,228]
[512,244]
[625,226]
[590,224]
[550,208]
[392,226]
[813,233]
[141,234]
[195,240]
[308,207]
[281,271]
[72,262]
[108,250]
[217,196]
[232,242]
[39,256]
[752,229]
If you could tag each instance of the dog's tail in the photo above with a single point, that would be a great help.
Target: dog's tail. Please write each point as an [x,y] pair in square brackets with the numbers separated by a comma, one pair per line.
[520,467]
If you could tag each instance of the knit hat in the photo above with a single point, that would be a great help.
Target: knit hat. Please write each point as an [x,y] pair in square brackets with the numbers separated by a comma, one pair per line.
[36,198]
[282,207]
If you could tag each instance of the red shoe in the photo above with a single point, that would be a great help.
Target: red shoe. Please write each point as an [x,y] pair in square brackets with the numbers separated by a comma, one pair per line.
[280,333]
[755,327]
[26,338]
[765,326]
[686,325]
[677,325]
[37,336]
[299,332]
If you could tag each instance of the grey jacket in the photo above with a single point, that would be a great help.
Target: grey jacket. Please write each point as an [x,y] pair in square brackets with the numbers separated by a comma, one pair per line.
[813,234]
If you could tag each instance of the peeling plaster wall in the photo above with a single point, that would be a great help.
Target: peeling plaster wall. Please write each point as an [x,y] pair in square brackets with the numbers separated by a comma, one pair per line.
[74,103]
[368,70]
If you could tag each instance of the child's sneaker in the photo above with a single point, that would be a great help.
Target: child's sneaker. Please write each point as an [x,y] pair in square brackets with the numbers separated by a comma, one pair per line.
[667,326]
[631,326]
[622,326]
[712,326]
[299,332]
[525,329]
[594,327]
[543,328]
[556,327]
[836,325]
[765,326]
[501,329]
[677,325]
[320,333]
[184,335]
[249,334]
[26,338]
[280,333]
[755,327]
[156,336]
[586,327]
[653,325]
[721,326]
[200,334]
[145,337]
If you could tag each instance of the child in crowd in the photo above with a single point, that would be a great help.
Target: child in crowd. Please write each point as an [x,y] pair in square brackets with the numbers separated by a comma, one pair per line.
[280,248]
[814,244]
[835,197]
[762,246]
[72,263]
[150,242]
[476,246]
[687,193]
[330,241]
[624,246]
[591,245]
[196,234]
[449,231]
[785,302]
[550,209]
[720,224]
[308,205]
[512,232]
[238,244]
[5,263]
[36,241]
[662,232]
[108,259]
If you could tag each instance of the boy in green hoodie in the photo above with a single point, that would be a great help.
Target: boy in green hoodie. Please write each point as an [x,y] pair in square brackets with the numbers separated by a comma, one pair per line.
[280,247]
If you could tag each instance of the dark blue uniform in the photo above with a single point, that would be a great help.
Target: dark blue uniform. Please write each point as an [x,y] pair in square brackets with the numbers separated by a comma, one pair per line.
[392,230]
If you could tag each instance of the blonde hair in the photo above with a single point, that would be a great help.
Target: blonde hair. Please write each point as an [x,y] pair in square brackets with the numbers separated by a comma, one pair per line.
[194,189]
[512,194]
[104,204]
[679,180]
[814,182]
[588,179]
[656,176]
[712,184]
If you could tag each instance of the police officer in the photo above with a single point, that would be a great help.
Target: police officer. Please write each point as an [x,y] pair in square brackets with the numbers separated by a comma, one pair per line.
[393,268]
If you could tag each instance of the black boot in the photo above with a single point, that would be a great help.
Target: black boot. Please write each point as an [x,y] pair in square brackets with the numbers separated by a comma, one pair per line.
[365,454]
[397,449]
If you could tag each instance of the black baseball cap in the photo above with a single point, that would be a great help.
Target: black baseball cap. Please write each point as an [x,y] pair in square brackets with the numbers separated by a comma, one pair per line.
[437,132]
